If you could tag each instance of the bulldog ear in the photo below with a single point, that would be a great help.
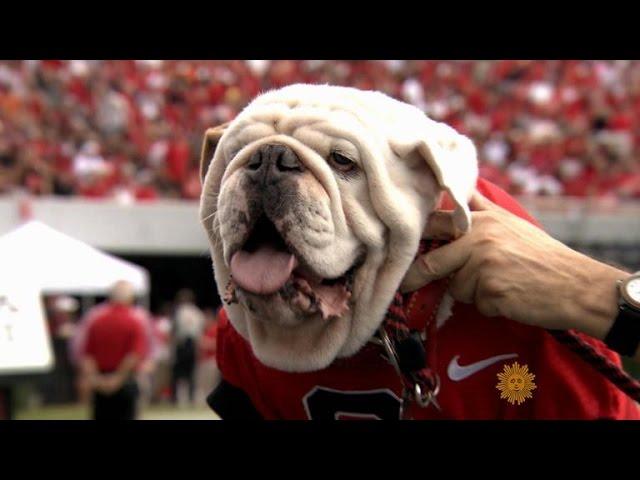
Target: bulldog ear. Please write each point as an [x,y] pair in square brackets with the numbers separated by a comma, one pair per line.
[211,138]
[452,158]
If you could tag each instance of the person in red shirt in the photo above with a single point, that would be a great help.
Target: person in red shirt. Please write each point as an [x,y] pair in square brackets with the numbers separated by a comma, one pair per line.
[471,350]
[115,345]
[177,160]
[209,335]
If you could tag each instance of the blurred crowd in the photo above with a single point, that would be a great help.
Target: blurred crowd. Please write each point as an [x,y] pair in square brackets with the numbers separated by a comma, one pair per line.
[175,358]
[132,130]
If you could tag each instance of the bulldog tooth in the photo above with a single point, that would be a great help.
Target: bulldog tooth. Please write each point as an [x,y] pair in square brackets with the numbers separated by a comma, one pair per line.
[230,296]
[302,302]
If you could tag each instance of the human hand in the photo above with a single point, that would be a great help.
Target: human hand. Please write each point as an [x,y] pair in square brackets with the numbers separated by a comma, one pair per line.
[506,266]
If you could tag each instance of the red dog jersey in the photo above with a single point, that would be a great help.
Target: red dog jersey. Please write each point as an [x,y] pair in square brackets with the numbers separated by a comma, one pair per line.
[471,351]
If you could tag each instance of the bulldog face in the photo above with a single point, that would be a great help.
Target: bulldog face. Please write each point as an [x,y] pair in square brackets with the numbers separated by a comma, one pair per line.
[314,201]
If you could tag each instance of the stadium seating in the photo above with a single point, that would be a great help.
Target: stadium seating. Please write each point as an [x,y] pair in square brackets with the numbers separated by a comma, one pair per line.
[131,130]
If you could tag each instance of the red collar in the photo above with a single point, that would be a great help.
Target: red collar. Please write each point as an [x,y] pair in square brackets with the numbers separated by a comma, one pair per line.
[421,309]
[423,304]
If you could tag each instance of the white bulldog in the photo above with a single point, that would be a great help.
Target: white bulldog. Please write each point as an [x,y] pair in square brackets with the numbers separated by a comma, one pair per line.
[314,201]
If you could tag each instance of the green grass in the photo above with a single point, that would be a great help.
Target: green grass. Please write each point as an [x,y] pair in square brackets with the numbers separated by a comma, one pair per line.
[82,412]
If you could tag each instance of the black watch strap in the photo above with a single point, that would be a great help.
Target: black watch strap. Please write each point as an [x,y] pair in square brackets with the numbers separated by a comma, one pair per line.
[624,336]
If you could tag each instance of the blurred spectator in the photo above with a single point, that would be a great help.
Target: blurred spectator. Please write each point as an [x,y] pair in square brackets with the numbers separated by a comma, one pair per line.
[207,374]
[146,368]
[77,344]
[188,327]
[131,130]
[115,346]
[58,387]
[61,312]
[162,380]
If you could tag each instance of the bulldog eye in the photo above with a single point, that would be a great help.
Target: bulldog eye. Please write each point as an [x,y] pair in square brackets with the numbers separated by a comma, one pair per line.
[340,162]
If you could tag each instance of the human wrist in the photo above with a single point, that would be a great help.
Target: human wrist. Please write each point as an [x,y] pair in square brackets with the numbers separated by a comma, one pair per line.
[595,301]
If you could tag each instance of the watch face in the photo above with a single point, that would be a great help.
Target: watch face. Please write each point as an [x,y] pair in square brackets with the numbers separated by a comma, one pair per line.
[632,289]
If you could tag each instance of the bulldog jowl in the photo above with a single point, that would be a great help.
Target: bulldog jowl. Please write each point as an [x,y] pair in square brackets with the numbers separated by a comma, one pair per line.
[266,267]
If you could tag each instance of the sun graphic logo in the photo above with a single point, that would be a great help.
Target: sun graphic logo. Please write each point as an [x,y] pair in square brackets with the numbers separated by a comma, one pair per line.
[516,383]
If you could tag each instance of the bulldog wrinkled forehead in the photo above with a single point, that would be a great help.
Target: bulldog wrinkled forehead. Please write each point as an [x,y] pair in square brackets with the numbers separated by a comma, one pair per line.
[451,156]
[365,104]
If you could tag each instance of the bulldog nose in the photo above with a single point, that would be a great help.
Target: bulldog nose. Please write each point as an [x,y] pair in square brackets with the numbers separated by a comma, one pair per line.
[274,160]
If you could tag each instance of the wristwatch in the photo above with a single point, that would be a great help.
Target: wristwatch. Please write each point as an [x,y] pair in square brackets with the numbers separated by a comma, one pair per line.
[624,336]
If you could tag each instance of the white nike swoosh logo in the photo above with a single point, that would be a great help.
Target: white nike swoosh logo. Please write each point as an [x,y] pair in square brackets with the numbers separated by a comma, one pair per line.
[459,372]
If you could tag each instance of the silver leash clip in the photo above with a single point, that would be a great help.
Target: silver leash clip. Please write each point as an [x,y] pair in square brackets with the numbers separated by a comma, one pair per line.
[391,355]
[423,399]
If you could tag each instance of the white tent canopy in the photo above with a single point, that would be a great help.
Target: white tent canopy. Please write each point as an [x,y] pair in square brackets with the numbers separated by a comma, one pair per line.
[57,263]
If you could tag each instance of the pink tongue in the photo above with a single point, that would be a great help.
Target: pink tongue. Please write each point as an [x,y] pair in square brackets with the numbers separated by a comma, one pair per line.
[264,271]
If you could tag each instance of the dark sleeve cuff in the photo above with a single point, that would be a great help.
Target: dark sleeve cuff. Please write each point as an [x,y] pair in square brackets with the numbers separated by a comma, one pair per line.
[232,403]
